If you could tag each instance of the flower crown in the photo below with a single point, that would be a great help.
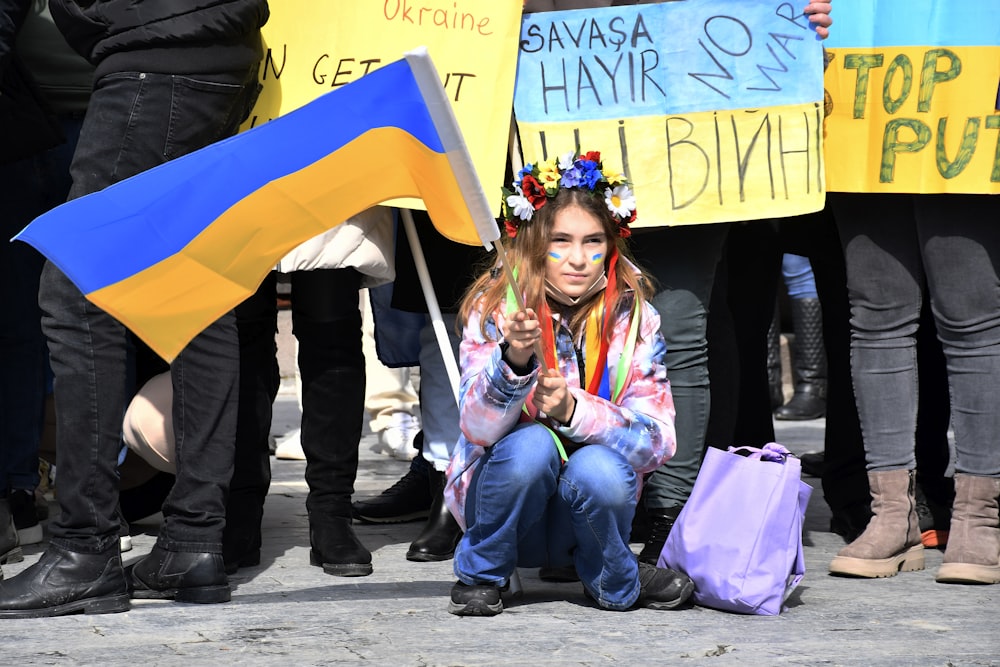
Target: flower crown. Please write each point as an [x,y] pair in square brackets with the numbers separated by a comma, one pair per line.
[537,183]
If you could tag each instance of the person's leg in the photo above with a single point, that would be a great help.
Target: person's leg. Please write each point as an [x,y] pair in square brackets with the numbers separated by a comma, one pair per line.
[28,188]
[326,321]
[885,277]
[256,323]
[507,502]
[809,363]
[441,533]
[596,498]
[959,238]
[682,260]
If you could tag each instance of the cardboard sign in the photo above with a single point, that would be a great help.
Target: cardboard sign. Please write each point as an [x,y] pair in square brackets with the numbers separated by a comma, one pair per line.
[914,97]
[712,109]
[314,46]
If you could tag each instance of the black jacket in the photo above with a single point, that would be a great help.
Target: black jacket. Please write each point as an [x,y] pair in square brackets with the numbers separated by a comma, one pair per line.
[164,36]
[12,13]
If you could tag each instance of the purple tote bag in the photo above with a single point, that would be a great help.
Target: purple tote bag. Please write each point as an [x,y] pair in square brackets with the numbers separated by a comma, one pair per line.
[739,537]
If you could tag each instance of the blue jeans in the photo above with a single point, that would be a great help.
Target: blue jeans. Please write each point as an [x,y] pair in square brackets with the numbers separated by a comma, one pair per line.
[798,276]
[438,413]
[525,510]
[28,188]
[136,121]
[683,261]
[894,245]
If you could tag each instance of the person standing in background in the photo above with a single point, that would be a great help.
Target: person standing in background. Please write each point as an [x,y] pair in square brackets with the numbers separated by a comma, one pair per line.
[171,77]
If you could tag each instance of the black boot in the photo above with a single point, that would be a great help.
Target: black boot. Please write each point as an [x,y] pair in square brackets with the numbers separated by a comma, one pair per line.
[774,379]
[180,575]
[808,364]
[661,522]
[67,582]
[336,548]
[10,545]
[409,499]
[441,534]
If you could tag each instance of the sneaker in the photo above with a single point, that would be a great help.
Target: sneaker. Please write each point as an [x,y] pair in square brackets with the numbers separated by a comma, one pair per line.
[934,521]
[289,447]
[409,499]
[475,600]
[396,440]
[662,588]
[22,507]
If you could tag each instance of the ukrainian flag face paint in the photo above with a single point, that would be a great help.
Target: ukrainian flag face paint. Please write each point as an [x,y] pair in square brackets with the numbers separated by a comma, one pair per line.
[578,247]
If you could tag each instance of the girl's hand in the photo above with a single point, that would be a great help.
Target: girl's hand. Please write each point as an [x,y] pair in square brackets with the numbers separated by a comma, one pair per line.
[818,14]
[521,332]
[552,396]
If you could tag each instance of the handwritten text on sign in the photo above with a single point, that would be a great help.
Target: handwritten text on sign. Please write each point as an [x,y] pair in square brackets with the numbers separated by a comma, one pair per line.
[709,107]
[915,106]
[314,46]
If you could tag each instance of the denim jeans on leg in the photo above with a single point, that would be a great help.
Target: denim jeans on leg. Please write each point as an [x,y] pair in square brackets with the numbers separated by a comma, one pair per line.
[893,244]
[525,510]
[136,121]
[683,262]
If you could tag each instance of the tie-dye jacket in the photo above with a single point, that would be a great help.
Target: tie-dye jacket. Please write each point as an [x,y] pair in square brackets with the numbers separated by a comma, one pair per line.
[640,427]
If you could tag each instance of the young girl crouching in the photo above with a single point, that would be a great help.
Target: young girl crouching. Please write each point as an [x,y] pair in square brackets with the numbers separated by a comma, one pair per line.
[549,465]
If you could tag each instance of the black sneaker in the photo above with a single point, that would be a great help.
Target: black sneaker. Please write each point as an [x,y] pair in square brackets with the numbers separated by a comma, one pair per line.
[660,524]
[662,588]
[934,521]
[409,499]
[22,507]
[476,600]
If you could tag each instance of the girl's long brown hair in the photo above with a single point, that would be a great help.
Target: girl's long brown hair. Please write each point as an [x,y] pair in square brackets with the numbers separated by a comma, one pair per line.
[528,252]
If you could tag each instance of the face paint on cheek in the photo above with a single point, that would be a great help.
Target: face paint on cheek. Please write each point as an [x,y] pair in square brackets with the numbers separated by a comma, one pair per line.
[555,257]
[597,259]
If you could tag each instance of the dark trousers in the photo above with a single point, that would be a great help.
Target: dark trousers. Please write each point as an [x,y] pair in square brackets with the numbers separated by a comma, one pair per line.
[28,188]
[326,322]
[136,121]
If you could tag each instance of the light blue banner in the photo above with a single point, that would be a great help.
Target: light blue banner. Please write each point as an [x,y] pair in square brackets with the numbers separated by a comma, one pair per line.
[915,23]
[678,57]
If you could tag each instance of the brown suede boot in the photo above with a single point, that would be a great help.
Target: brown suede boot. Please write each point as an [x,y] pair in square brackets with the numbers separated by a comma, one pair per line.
[973,554]
[891,542]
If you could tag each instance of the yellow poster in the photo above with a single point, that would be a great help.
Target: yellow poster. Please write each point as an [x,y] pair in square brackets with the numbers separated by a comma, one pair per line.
[314,46]
[711,108]
[914,98]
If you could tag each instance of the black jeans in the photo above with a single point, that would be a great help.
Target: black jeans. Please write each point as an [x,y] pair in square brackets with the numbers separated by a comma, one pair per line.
[136,121]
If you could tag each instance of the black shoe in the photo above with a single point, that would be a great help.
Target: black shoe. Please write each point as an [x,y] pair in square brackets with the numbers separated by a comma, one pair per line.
[22,507]
[10,544]
[661,521]
[662,588]
[934,520]
[67,582]
[477,600]
[177,575]
[337,549]
[409,499]
[802,406]
[441,534]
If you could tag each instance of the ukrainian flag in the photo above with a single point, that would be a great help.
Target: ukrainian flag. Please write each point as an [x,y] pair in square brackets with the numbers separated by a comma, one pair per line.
[170,250]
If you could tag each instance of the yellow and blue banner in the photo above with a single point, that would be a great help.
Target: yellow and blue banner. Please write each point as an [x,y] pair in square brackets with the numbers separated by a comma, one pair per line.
[712,108]
[915,95]
[170,250]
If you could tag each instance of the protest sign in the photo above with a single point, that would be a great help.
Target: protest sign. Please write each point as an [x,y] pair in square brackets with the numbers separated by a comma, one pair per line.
[712,109]
[314,46]
[914,97]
